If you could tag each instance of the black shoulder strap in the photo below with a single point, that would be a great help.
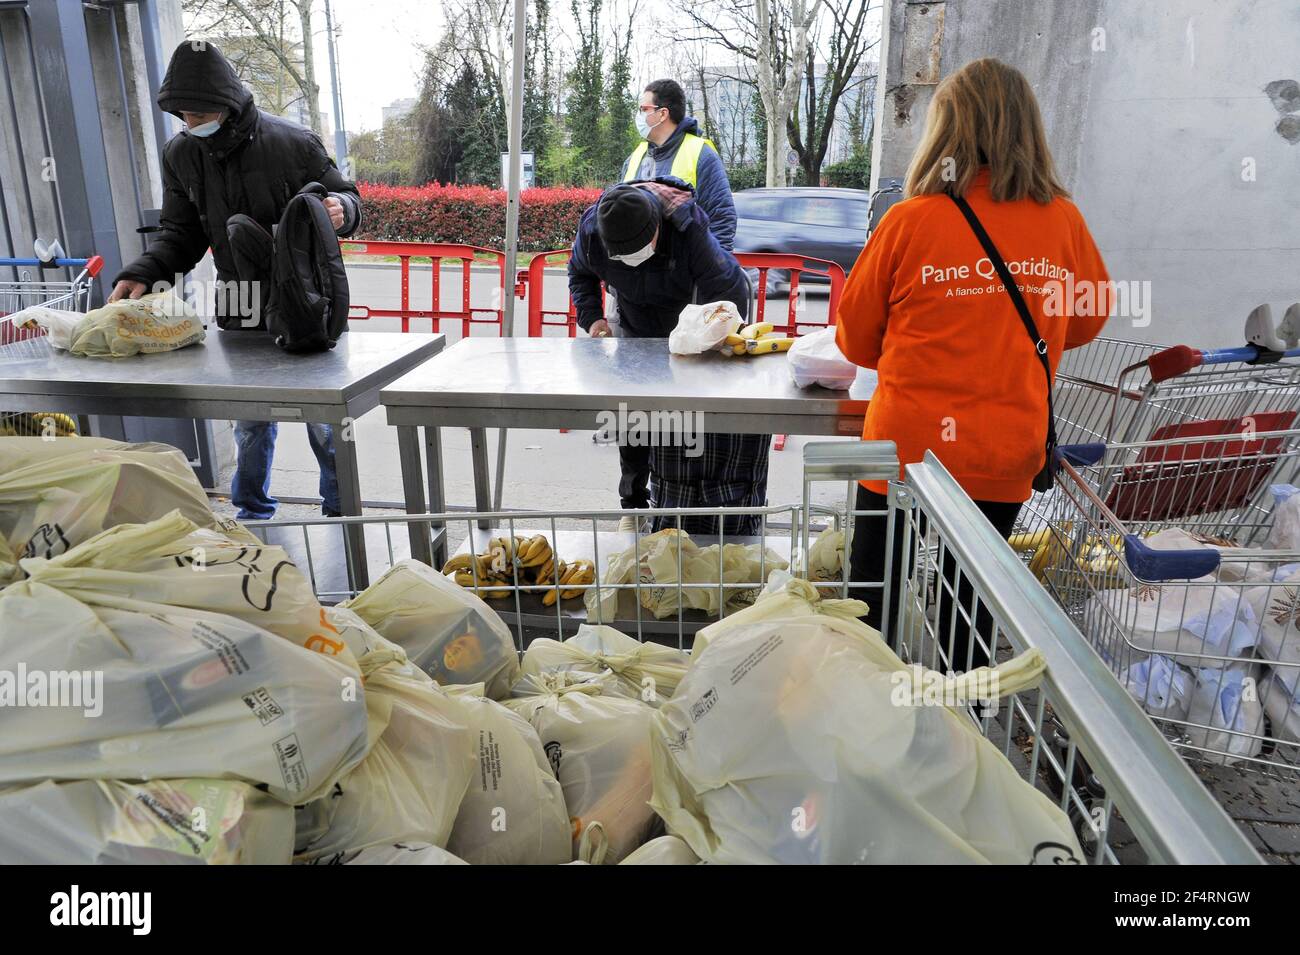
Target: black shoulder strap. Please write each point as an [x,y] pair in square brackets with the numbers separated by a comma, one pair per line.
[1040,346]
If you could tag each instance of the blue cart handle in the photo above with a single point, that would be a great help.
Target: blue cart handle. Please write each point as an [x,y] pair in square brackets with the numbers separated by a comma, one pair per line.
[55,264]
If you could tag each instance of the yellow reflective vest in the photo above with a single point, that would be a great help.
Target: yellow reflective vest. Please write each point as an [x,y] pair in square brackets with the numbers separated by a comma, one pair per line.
[686,161]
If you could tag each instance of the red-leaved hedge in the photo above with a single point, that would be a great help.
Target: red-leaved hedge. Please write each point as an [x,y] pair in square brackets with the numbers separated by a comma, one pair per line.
[473,215]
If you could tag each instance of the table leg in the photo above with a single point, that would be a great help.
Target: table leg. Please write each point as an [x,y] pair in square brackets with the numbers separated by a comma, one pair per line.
[482,480]
[345,462]
[501,467]
[437,493]
[408,452]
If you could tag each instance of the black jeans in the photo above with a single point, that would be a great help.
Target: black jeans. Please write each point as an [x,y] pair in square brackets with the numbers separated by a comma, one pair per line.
[867,565]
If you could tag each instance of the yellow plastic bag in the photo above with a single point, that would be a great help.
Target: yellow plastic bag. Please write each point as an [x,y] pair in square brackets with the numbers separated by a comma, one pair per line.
[410,785]
[56,493]
[157,322]
[655,561]
[598,743]
[172,561]
[445,630]
[646,671]
[799,737]
[161,822]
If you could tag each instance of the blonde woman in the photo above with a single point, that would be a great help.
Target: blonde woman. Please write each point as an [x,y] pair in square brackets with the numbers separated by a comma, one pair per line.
[961,371]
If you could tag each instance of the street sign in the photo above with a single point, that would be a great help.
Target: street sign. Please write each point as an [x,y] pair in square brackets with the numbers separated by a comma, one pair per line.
[527,175]
[791,157]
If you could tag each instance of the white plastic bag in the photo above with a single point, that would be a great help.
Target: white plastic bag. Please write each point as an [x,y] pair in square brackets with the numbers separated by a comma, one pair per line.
[646,671]
[149,691]
[172,561]
[1160,686]
[598,744]
[800,738]
[1183,619]
[54,494]
[702,328]
[157,322]
[1234,716]
[513,812]
[815,359]
[1285,532]
[161,822]
[655,561]
[666,850]
[1280,694]
[410,785]
[402,853]
[446,631]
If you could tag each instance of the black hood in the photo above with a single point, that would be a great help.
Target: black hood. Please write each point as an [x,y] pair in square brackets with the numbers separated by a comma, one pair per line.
[200,80]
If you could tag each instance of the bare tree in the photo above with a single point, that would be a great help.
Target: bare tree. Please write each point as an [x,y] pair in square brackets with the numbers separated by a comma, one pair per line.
[253,32]
[845,32]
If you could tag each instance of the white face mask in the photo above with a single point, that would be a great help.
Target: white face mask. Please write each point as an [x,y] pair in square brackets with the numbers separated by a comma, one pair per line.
[643,126]
[633,259]
[206,129]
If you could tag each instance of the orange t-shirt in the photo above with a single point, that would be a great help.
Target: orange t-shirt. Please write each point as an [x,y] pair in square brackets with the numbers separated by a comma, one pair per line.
[957,371]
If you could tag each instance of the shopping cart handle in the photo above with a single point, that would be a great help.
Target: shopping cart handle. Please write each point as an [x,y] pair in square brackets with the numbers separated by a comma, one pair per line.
[1081,455]
[1180,359]
[1147,563]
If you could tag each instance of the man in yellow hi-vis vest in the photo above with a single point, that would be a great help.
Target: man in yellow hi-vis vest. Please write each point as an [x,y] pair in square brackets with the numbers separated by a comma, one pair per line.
[673,146]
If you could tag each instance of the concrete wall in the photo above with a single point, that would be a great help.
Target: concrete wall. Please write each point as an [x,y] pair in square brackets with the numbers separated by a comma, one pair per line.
[1159,115]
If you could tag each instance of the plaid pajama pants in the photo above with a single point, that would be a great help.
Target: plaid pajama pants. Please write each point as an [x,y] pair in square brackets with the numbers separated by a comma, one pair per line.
[731,471]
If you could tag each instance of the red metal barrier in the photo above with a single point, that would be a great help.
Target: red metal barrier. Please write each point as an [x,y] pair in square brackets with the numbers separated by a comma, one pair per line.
[530,282]
[795,265]
[435,252]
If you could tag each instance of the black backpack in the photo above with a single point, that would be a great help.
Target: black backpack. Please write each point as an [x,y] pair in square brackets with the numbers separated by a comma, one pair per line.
[309,309]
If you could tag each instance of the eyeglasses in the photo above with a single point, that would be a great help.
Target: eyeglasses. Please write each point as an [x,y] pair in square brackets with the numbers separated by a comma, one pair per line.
[651,109]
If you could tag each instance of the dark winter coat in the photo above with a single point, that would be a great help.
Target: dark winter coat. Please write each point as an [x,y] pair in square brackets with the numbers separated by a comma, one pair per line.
[253,165]
[688,266]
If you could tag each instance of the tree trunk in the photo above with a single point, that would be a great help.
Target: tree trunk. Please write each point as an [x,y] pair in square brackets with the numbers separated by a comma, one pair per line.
[311,90]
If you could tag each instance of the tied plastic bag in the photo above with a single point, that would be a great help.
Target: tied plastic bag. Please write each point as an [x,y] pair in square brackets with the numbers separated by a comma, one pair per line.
[825,557]
[173,561]
[410,785]
[802,738]
[646,671]
[1277,606]
[125,689]
[666,850]
[1225,704]
[1160,686]
[54,494]
[655,560]
[598,744]
[161,822]
[446,631]
[702,328]
[158,322]
[402,853]
[815,359]
[513,812]
[1285,532]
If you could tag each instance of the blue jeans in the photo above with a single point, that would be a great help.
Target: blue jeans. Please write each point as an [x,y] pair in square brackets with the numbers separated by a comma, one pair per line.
[256,444]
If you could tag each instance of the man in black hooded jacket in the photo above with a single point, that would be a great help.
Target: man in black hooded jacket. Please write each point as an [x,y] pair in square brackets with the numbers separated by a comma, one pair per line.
[234,160]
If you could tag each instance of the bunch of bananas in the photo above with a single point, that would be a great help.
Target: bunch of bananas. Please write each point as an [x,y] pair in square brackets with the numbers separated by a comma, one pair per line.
[1056,554]
[756,339]
[492,573]
[36,424]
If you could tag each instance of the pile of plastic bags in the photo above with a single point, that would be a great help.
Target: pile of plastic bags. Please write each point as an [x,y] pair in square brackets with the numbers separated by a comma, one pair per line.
[1213,656]
[175,693]
[659,562]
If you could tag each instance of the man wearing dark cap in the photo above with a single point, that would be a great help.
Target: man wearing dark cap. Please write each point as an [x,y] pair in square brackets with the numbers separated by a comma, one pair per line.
[226,180]
[650,243]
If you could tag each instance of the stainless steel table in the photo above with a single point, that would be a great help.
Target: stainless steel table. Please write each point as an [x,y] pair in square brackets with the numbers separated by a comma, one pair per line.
[235,375]
[568,382]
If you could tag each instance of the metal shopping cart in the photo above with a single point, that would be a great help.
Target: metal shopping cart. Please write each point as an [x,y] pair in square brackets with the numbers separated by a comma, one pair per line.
[1139,803]
[38,287]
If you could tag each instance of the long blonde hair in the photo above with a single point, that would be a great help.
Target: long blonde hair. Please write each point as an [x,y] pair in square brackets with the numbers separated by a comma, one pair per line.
[985,114]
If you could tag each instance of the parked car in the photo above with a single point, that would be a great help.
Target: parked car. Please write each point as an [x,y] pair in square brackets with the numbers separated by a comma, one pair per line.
[821,223]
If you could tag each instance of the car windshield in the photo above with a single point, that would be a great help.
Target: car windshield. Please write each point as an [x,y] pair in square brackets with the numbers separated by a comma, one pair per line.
[749,206]
[834,211]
